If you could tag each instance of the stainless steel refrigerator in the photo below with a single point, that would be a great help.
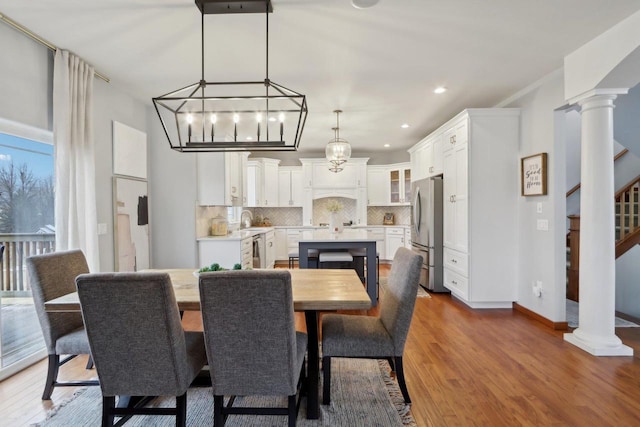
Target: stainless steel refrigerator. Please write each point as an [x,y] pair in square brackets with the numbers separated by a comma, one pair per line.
[426,230]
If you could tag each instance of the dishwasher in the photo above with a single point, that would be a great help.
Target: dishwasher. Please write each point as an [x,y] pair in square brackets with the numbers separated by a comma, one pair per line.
[259,259]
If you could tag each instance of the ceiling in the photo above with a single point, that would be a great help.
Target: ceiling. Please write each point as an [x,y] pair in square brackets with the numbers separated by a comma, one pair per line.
[379,65]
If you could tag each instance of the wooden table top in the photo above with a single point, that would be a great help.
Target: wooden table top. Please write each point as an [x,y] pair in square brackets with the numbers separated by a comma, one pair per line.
[313,289]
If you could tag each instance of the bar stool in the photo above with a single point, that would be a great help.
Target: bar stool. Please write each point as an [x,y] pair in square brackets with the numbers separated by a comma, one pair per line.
[362,254]
[295,255]
[335,260]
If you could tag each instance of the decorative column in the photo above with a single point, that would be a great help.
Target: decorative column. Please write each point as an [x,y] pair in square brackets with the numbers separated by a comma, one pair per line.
[596,330]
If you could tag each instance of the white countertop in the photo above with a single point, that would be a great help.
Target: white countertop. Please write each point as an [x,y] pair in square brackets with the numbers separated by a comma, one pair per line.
[359,235]
[238,235]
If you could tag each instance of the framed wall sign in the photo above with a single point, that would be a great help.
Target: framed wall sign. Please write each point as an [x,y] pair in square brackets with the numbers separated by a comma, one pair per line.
[533,175]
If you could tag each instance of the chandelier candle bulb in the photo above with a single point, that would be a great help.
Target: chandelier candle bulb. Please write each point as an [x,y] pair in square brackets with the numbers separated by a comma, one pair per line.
[281,125]
[259,119]
[213,126]
[189,121]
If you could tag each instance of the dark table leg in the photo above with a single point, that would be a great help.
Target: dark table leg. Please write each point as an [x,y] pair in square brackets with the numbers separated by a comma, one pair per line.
[303,255]
[313,364]
[372,288]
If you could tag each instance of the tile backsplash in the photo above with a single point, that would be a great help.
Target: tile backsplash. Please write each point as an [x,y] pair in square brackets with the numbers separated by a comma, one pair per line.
[402,214]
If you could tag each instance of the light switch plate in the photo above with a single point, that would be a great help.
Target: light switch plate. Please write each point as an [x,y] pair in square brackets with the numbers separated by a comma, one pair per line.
[543,225]
[539,207]
[102,228]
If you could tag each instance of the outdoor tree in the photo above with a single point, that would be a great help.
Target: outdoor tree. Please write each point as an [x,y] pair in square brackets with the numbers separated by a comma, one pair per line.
[26,202]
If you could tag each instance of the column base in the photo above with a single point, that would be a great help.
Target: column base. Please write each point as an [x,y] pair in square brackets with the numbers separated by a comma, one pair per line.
[597,349]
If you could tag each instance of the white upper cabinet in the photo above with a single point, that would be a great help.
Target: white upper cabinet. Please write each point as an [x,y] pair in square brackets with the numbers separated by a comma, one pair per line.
[262,182]
[221,179]
[318,175]
[377,185]
[290,186]
[426,157]
[399,182]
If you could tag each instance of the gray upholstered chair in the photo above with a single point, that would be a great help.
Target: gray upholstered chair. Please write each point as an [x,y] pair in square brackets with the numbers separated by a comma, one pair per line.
[380,337]
[137,341]
[51,276]
[251,341]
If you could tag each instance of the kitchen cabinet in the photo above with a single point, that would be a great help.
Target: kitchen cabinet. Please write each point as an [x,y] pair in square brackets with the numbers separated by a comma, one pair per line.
[225,252]
[394,239]
[282,250]
[379,234]
[481,191]
[377,186]
[427,157]
[407,238]
[400,184]
[290,186]
[361,207]
[270,249]
[262,182]
[221,179]
[317,174]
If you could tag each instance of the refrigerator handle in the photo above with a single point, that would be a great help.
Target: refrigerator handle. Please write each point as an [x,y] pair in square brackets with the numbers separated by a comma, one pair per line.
[417,211]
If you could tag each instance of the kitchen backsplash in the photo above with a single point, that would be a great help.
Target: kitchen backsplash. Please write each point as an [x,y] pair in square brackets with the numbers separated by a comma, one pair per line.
[402,214]
[280,216]
[321,214]
[293,216]
[204,214]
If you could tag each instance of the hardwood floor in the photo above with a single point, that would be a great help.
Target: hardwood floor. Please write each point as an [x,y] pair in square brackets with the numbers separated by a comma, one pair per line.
[464,368]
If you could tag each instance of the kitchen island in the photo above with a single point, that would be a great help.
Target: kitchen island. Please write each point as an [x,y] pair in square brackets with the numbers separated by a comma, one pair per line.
[347,239]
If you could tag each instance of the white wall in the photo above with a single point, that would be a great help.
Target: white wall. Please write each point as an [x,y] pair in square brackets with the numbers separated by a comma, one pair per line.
[172,196]
[542,253]
[26,76]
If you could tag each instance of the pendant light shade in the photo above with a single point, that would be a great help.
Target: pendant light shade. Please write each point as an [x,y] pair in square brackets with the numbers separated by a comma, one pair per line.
[233,116]
[338,150]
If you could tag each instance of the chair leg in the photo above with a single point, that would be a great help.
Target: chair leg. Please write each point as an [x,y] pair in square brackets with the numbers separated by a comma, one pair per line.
[218,418]
[108,405]
[326,378]
[52,376]
[292,409]
[181,410]
[90,363]
[400,377]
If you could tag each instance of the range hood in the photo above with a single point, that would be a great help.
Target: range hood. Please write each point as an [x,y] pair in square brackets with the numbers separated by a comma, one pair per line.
[348,193]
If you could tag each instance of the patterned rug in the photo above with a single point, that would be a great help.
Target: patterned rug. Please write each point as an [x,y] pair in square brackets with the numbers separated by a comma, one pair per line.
[362,394]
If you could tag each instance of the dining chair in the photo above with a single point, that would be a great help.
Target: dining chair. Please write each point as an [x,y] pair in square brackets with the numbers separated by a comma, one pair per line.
[137,341]
[252,345]
[52,275]
[382,337]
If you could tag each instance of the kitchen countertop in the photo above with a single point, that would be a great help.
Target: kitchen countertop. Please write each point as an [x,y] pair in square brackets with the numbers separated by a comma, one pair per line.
[238,235]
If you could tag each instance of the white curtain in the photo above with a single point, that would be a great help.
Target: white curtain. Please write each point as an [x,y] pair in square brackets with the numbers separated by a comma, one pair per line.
[75,202]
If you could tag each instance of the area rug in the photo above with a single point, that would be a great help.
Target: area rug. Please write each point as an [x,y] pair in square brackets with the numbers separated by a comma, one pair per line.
[573,308]
[362,394]
[422,293]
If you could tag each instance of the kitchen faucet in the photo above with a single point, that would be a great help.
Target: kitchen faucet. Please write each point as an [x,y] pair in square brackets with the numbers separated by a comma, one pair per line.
[243,220]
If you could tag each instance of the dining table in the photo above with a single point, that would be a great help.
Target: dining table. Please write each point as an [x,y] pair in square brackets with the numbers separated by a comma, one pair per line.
[346,239]
[313,291]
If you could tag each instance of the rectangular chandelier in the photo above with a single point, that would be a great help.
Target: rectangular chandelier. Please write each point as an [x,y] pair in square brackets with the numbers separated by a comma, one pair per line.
[233,116]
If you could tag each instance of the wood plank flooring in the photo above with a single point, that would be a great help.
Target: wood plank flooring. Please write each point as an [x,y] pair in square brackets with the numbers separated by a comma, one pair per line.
[464,368]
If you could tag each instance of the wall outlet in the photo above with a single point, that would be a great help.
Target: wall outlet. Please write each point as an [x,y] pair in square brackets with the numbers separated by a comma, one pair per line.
[537,288]
[102,228]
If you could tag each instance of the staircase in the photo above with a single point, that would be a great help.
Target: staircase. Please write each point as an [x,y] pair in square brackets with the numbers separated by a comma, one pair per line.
[627,232]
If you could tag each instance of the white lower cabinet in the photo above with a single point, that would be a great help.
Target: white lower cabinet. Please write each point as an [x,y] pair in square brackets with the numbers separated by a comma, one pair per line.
[226,253]
[270,249]
[394,238]
[281,244]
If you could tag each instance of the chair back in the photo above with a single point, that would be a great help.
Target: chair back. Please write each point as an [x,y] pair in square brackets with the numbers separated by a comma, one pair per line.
[135,333]
[399,301]
[249,332]
[51,276]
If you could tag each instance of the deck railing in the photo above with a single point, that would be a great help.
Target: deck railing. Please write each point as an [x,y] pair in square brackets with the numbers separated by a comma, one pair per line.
[17,248]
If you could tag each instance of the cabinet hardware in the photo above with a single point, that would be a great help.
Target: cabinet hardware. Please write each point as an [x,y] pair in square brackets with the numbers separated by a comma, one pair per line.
[454,261]
[454,282]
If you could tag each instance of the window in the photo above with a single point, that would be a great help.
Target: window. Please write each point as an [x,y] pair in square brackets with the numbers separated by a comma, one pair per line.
[26,228]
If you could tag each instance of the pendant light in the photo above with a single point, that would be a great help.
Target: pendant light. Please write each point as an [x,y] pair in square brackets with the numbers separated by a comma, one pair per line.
[338,150]
[233,116]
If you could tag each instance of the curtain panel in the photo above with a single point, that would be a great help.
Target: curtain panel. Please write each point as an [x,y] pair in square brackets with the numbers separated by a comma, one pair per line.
[75,201]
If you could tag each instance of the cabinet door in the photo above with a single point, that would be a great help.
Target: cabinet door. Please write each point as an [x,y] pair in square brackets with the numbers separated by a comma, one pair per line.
[281,244]
[436,156]
[284,188]
[270,184]
[406,185]
[270,249]
[394,241]
[461,202]
[254,184]
[395,193]
[361,207]
[233,179]
[296,186]
[324,178]
[377,187]
[449,190]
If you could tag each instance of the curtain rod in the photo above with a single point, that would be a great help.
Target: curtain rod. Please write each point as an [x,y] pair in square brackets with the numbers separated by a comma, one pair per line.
[40,40]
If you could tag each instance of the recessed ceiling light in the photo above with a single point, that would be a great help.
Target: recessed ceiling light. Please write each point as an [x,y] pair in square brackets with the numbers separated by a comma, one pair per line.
[387,145]
[440,89]
[404,125]
[363,4]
